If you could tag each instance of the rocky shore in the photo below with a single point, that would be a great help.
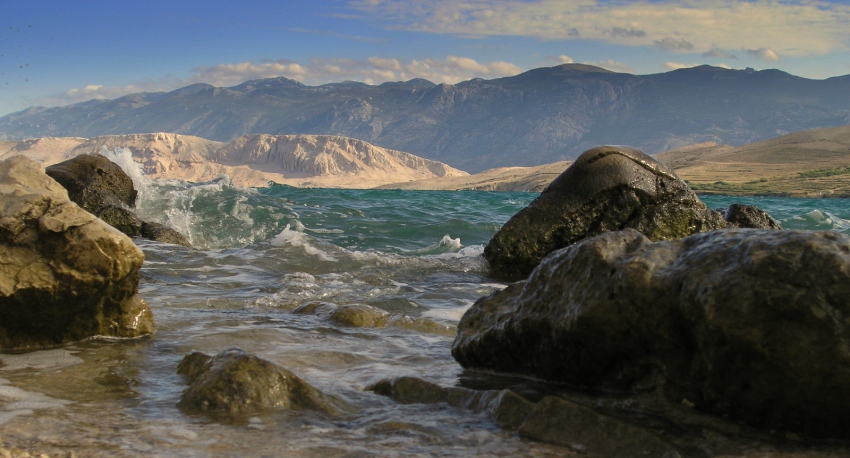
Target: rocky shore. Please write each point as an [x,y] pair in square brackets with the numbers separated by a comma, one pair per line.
[641,322]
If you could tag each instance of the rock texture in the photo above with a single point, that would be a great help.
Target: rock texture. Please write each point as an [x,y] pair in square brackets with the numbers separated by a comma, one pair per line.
[607,188]
[103,189]
[64,275]
[235,384]
[749,216]
[746,324]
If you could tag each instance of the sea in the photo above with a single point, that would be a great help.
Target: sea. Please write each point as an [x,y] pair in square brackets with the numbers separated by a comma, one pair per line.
[258,254]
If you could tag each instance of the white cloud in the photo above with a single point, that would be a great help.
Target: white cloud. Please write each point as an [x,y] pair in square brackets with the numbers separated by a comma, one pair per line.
[788,27]
[373,70]
[765,54]
[563,59]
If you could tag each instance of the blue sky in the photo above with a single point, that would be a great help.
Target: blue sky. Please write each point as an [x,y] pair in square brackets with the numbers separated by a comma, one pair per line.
[57,52]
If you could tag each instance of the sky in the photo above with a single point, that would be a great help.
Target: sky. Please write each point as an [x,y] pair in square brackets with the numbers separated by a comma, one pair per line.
[58,52]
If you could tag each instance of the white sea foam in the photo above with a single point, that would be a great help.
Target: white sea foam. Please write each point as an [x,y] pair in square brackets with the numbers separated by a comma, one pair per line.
[297,238]
[446,245]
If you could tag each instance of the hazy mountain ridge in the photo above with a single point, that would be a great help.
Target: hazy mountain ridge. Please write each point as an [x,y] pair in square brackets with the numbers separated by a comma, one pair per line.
[252,160]
[540,116]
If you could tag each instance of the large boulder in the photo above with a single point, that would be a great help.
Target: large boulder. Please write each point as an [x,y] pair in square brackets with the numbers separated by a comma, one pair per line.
[64,274]
[607,188]
[234,384]
[103,189]
[743,323]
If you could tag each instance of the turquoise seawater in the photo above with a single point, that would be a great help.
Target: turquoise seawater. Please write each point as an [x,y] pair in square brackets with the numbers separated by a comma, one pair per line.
[259,254]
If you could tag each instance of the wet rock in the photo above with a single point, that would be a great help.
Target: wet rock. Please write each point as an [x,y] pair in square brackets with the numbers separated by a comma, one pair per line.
[507,408]
[746,324]
[236,384]
[101,187]
[410,390]
[749,216]
[606,189]
[565,423]
[162,233]
[360,316]
[64,275]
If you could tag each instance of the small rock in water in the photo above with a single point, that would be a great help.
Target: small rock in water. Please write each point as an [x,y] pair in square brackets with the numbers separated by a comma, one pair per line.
[749,216]
[236,385]
[360,316]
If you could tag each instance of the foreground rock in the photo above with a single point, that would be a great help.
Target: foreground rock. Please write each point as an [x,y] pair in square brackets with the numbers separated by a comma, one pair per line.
[235,384]
[64,275]
[103,189]
[745,324]
[606,189]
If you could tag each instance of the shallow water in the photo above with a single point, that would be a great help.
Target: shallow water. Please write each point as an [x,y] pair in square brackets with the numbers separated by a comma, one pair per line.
[263,252]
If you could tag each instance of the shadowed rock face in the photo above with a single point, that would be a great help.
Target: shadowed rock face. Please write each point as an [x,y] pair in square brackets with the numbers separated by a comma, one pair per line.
[749,216]
[101,187]
[743,323]
[607,188]
[64,274]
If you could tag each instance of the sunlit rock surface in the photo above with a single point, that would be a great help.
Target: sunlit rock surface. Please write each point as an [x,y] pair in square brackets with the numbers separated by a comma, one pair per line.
[64,274]
[607,188]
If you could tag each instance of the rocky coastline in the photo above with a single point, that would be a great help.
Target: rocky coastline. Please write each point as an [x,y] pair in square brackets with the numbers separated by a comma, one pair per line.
[638,319]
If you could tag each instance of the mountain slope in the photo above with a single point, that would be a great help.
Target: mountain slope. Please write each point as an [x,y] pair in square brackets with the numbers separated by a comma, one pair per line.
[254,160]
[540,116]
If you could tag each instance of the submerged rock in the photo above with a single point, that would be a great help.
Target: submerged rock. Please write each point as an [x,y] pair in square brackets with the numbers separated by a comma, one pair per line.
[102,188]
[552,419]
[562,422]
[64,274]
[236,384]
[746,324]
[607,188]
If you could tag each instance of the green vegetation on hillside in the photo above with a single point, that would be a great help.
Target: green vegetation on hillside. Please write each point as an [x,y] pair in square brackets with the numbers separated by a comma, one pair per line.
[820,173]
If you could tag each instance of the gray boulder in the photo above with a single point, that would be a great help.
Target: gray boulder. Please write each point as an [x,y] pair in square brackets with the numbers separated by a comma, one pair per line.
[743,323]
[607,188]
[64,274]
[234,384]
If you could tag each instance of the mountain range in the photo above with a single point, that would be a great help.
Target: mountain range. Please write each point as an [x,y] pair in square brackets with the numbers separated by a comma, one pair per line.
[541,116]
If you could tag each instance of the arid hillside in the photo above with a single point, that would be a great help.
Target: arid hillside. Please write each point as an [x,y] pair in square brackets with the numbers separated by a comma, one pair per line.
[251,160]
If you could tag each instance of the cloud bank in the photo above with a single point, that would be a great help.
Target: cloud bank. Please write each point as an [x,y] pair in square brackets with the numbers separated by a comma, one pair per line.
[785,27]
